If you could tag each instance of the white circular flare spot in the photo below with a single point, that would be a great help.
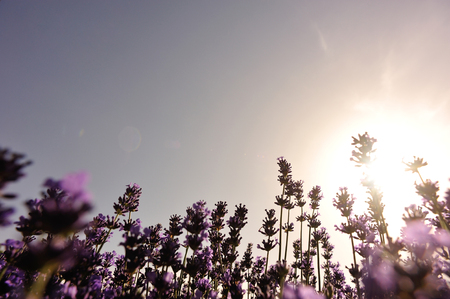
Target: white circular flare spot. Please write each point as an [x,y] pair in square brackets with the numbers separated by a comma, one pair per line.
[129,139]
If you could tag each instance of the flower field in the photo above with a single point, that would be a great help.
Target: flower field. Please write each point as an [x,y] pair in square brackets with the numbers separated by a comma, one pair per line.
[61,253]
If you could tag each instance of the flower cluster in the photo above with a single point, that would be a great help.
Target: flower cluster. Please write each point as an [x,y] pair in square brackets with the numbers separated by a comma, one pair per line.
[61,254]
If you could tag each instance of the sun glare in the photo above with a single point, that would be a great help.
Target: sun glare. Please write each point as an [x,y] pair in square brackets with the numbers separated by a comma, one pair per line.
[389,174]
[398,142]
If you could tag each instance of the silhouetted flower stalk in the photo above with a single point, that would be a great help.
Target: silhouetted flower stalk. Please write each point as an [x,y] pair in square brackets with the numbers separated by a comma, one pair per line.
[246,265]
[281,270]
[284,178]
[362,156]
[112,226]
[236,223]
[302,218]
[376,209]
[318,237]
[288,227]
[315,195]
[268,229]
[297,187]
[297,253]
[215,236]
[344,203]
[328,278]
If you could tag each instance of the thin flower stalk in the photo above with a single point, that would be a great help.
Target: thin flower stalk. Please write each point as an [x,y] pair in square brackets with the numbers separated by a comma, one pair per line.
[284,178]
[344,203]
[289,227]
[280,241]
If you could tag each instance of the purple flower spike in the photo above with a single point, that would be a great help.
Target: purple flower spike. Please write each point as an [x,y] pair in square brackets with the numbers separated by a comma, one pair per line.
[129,202]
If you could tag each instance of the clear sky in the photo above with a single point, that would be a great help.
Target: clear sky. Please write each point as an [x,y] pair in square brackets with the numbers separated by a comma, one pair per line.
[195,100]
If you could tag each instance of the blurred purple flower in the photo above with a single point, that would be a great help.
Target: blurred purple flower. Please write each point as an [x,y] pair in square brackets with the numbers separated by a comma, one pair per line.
[417,232]
[442,238]
[60,211]
[447,198]
[75,183]
[301,292]
[385,275]
[4,213]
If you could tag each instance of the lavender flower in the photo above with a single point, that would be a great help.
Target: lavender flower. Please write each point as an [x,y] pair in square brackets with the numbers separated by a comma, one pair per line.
[129,202]
[60,211]
[344,202]
[413,213]
[268,229]
[315,195]
[414,166]
[10,169]
[196,220]
[364,145]
[284,170]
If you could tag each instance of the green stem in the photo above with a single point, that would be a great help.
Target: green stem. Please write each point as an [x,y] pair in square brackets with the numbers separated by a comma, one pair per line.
[281,225]
[381,234]
[281,231]
[4,271]
[107,235]
[287,237]
[385,227]
[318,263]
[248,285]
[148,283]
[181,271]
[232,253]
[309,247]
[282,286]
[38,287]
[354,259]
[301,244]
[220,266]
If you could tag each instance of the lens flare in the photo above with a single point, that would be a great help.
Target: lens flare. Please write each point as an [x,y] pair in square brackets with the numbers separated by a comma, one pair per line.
[130,139]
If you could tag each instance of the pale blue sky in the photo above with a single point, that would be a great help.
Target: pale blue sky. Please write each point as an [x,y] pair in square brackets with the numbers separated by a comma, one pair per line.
[218,90]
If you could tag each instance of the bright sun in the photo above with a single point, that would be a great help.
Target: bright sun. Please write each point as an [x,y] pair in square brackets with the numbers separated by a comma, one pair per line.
[396,145]
[398,140]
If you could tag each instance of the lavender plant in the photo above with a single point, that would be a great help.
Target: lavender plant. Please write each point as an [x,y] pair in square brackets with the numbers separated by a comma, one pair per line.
[62,255]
